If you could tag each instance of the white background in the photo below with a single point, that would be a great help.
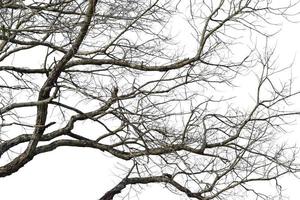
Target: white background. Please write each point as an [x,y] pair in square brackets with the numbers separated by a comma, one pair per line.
[86,174]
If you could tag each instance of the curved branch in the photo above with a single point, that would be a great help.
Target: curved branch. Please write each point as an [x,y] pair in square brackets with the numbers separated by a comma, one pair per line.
[165,178]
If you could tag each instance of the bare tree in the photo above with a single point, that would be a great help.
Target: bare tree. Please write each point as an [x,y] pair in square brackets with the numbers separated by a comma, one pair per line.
[155,99]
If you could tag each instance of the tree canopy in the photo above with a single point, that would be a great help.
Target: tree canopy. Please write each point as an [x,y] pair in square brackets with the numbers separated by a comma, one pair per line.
[151,82]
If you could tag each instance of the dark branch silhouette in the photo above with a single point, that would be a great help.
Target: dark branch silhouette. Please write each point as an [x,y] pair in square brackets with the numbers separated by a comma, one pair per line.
[160,97]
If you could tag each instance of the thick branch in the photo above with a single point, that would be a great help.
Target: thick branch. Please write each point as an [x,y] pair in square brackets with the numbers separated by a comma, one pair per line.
[166,178]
